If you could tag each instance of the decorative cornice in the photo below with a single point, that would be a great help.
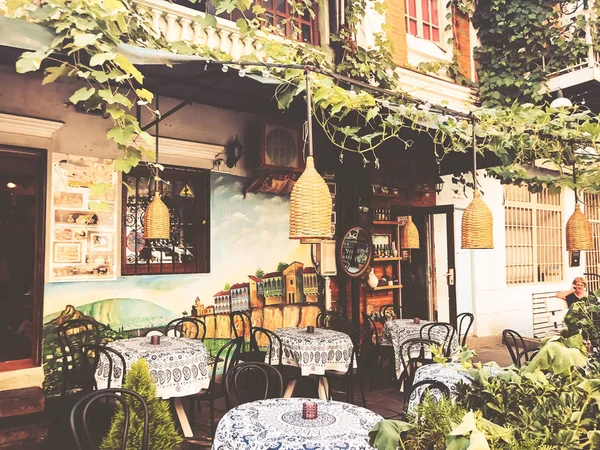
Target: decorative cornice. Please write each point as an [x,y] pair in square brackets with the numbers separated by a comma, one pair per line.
[28,126]
[189,153]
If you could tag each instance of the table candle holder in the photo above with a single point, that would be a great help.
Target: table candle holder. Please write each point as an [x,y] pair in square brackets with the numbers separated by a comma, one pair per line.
[155,340]
[310,329]
[417,320]
[309,410]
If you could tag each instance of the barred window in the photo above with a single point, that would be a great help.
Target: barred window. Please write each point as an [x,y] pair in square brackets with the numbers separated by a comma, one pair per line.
[592,257]
[187,195]
[423,19]
[534,242]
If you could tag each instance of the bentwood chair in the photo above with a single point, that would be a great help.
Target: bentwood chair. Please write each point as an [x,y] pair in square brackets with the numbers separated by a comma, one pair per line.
[226,358]
[525,356]
[514,343]
[390,311]
[465,321]
[189,327]
[414,353]
[327,319]
[250,381]
[441,332]
[73,337]
[81,412]
[241,326]
[114,365]
[435,388]
[378,352]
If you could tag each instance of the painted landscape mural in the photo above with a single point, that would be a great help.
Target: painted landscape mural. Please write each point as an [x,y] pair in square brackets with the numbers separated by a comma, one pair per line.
[255,268]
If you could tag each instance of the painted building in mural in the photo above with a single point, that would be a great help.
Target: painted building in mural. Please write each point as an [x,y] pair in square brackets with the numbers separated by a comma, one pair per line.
[273,288]
[239,294]
[310,284]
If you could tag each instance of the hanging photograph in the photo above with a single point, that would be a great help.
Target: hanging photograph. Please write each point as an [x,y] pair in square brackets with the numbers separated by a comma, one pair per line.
[83,237]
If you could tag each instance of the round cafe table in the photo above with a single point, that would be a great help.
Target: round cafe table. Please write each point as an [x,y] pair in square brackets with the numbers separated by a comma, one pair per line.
[178,367]
[278,424]
[396,332]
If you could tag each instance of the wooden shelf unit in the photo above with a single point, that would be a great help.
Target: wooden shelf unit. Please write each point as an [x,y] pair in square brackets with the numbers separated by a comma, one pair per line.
[397,258]
[387,288]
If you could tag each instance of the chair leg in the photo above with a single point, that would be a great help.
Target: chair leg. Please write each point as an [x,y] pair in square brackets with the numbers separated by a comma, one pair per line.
[362,390]
[212,418]
[192,411]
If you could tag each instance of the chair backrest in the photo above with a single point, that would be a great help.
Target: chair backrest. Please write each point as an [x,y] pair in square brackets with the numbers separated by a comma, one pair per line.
[436,389]
[441,332]
[367,353]
[274,346]
[241,324]
[414,353]
[250,381]
[465,321]
[372,326]
[388,310]
[326,319]
[114,364]
[227,356]
[345,325]
[514,343]
[189,327]
[73,336]
[526,356]
[154,332]
[81,411]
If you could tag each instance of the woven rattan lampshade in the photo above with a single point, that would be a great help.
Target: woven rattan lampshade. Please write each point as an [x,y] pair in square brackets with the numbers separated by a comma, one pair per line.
[579,231]
[156,219]
[409,237]
[310,207]
[477,225]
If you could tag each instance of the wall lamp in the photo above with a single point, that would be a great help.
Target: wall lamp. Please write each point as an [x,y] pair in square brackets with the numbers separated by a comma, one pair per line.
[232,154]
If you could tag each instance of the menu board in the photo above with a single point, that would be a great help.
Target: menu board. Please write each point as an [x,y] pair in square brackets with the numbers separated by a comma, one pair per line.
[83,219]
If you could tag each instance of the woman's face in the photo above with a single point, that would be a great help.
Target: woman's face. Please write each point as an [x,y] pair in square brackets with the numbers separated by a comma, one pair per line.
[579,288]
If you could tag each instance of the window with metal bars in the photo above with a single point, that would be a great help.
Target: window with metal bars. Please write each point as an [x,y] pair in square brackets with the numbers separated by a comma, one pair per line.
[534,240]
[592,257]
[278,13]
[186,192]
[423,19]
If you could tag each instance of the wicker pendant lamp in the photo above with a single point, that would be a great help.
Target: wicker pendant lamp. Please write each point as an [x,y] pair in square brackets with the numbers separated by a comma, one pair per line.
[157,220]
[409,237]
[477,231]
[579,230]
[310,200]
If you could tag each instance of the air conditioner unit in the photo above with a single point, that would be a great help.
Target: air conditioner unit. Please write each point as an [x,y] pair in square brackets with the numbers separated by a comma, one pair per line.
[281,148]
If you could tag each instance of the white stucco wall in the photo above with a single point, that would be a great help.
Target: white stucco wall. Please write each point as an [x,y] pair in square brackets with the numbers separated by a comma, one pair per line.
[481,274]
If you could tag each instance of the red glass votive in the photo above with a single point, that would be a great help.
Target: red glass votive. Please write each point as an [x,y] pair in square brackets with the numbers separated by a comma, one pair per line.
[155,340]
[417,320]
[310,329]
[309,410]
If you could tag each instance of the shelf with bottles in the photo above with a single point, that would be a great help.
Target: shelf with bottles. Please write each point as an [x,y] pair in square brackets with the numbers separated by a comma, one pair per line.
[385,252]
[382,216]
[387,288]
[397,258]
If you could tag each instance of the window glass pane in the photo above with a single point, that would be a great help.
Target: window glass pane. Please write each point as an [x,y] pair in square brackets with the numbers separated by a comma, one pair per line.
[280,5]
[434,12]
[413,27]
[306,33]
[411,8]
[435,34]
[426,32]
[425,12]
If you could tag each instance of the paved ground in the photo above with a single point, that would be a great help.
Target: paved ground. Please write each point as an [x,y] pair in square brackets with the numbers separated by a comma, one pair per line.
[384,398]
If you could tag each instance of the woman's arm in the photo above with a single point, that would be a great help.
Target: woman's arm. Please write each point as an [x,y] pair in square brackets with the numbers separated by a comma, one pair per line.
[563,294]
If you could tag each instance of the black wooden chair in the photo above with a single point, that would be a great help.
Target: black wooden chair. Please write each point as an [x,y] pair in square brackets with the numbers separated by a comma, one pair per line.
[441,332]
[73,337]
[435,388]
[327,319]
[80,417]
[272,353]
[154,332]
[390,311]
[464,321]
[514,343]
[414,353]
[379,353]
[186,327]
[241,325]
[526,356]
[250,381]
[226,358]
[114,365]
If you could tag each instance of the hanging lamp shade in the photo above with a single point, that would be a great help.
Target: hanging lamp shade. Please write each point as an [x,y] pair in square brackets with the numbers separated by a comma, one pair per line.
[310,207]
[579,231]
[409,237]
[157,219]
[477,225]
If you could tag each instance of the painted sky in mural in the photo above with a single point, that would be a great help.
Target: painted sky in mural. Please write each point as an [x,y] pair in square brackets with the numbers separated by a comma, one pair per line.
[246,234]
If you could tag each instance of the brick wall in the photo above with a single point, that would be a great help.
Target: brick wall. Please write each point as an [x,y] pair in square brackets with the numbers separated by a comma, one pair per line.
[463,42]
[395,20]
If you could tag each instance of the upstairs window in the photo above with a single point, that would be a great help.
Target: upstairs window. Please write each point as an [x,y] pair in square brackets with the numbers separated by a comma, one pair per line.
[423,19]
[187,195]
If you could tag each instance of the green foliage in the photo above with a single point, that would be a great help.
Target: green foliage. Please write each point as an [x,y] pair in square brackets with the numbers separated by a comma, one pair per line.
[227,286]
[583,318]
[162,435]
[259,273]
[281,266]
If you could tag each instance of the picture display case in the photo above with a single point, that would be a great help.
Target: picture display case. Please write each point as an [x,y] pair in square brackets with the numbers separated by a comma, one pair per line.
[83,220]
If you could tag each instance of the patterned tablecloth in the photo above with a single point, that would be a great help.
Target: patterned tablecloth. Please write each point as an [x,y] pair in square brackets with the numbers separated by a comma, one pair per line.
[177,365]
[278,424]
[314,352]
[399,331]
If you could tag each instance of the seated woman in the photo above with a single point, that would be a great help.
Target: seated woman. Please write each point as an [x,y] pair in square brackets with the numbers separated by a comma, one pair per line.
[578,292]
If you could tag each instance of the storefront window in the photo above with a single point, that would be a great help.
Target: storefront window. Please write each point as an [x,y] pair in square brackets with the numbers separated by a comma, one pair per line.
[186,192]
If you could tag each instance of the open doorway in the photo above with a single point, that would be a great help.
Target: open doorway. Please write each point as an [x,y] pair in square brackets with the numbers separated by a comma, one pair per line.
[22,187]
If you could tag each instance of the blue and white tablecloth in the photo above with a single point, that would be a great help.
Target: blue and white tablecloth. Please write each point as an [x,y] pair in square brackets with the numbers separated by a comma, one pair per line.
[178,366]
[314,352]
[278,424]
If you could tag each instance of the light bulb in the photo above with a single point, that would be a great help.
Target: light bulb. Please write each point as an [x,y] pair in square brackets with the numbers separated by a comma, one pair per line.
[11,185]
[224,68]
[242,73]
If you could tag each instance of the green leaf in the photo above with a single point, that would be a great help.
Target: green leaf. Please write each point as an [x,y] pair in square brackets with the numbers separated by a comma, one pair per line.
[122,166]
[81,95]
[100,58]
[206,21]
[594,437]
[115,113]
[31,61]
[145,94]
[82,40]
[592,388]
[126,66]
[120,135]
[52,73]
[386,435]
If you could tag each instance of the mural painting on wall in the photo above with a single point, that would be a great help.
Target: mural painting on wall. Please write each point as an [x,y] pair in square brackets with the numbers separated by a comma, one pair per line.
[82,221]
[255,268]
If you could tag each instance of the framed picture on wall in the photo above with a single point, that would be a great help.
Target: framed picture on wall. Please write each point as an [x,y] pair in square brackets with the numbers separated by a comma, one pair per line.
[100,242]
[67,252]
